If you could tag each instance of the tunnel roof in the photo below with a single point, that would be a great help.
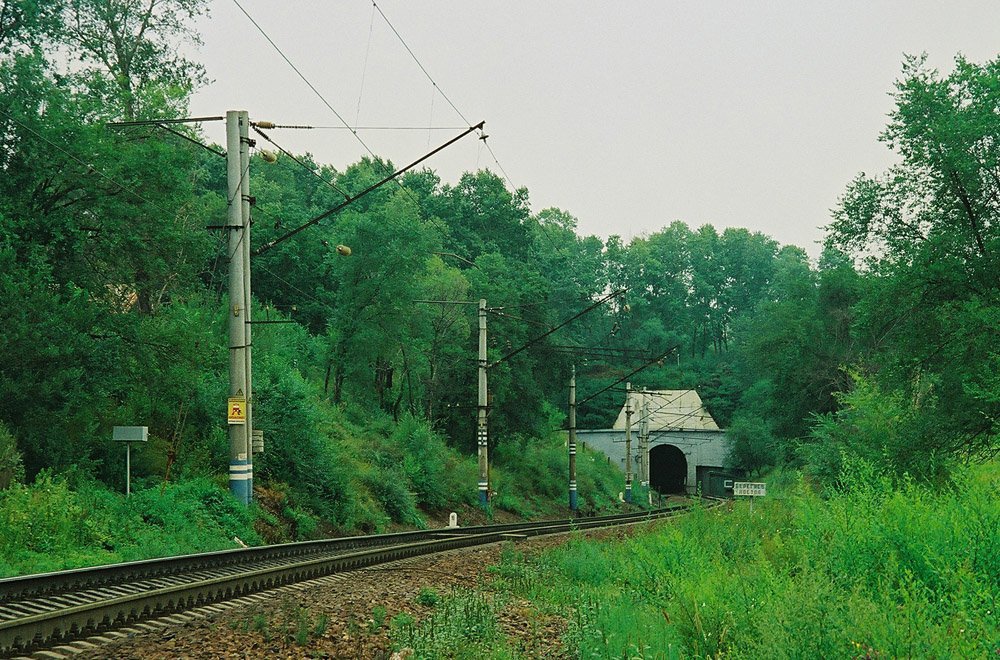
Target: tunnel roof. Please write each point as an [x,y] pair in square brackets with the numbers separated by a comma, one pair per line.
[667,410]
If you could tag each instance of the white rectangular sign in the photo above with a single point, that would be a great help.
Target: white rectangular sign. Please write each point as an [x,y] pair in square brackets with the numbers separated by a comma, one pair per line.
[749,488]
[130,434]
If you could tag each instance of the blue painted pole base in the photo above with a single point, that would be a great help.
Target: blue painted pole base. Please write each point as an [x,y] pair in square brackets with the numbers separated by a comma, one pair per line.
[240,480]
[628,494]
[572,500]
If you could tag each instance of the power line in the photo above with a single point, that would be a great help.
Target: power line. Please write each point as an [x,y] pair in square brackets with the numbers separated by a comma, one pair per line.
[630,374]
[90,167]
[374,186]
[610,296]
[297,161]
[437,87]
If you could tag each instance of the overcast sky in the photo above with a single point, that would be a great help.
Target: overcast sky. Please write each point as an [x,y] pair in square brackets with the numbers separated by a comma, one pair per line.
[628,115]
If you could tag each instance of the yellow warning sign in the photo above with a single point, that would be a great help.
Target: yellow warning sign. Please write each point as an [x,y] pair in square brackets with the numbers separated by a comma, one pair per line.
[237,410]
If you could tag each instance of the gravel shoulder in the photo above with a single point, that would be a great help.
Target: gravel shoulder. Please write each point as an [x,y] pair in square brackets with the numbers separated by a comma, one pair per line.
[334,616]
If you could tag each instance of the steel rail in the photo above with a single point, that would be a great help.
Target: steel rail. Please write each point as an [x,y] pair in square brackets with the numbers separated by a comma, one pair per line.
[41,584]
[59,617]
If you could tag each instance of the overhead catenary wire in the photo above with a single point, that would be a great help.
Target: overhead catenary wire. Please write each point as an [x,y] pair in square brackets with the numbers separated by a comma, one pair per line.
[306,166]
[630,374]
[156,122]
[354,130]
[663,405]
[600,351]
[315,90]
[162,124]
[609,297]
[297,161]
[437,87]
[368,128]
[498,313]
[217,152]
[392,177]
[364,68]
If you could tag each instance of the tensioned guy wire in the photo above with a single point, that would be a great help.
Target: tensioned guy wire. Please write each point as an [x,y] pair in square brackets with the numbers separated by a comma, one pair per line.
[304,79]
[298,161]
[364,68]
[482,135]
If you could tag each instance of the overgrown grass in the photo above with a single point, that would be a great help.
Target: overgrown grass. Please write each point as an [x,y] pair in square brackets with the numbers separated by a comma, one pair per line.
[462,626]
[51,525]
[874,570]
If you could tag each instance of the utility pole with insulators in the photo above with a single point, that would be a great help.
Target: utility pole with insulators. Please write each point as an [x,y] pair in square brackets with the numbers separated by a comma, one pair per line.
[237,170]
[572,439]
[628,442]
[481,433]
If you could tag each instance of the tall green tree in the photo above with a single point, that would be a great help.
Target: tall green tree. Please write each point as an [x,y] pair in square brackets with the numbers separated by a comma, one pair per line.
[928,231]
[131,53]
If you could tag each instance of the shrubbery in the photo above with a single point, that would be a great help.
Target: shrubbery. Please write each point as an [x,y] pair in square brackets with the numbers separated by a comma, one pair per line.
[51,524]
[530,474]
[873,570]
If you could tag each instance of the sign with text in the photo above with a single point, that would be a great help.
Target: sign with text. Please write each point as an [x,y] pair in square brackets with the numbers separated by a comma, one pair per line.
[749,489]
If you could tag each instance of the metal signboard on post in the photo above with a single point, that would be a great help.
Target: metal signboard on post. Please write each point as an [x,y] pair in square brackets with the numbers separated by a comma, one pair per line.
[237,410]
[749,489]
[128,435]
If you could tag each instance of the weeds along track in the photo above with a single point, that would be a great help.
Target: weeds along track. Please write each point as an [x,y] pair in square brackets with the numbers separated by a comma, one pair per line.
[37,611]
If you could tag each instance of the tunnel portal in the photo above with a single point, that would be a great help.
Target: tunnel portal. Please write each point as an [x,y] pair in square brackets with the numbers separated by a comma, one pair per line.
[667,469]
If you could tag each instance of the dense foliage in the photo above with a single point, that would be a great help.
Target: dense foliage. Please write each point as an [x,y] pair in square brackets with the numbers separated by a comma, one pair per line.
[114,305]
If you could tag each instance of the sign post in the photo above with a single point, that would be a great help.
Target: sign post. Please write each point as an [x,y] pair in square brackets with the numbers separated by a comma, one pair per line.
[128,435]
[749,489]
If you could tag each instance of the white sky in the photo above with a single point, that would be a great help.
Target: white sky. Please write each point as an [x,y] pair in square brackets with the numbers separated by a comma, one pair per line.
[629,115]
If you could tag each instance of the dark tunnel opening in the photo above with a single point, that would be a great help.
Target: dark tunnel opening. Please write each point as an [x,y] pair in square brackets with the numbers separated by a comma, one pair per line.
[667,469]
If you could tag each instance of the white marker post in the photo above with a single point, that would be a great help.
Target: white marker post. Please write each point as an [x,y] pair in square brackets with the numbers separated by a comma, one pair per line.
[749,489]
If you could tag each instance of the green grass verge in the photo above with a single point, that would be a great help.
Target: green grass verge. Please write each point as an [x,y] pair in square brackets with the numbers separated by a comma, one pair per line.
[873,570]
[49,525]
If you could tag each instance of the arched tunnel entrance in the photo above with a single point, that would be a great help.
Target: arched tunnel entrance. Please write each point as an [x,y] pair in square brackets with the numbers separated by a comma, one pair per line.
[667,469]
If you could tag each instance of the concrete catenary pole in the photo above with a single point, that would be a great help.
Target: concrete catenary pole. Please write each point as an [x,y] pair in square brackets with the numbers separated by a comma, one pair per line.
[247,301]
[572,439]
[644,446]
[238,455]
[481,433]
[628,442]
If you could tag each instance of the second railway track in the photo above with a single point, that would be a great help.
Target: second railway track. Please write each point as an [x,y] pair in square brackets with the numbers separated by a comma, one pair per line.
[38,611]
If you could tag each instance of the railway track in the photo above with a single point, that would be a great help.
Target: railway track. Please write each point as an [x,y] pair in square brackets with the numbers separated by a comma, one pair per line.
[38,611]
